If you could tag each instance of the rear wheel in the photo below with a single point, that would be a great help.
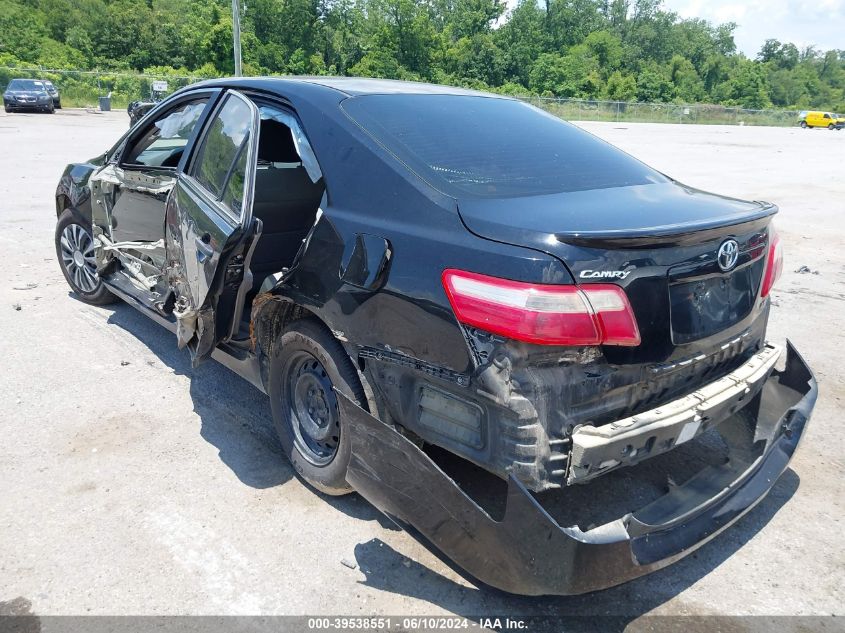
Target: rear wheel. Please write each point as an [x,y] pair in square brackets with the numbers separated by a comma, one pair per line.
[306,366]
[804,124]
[75,250]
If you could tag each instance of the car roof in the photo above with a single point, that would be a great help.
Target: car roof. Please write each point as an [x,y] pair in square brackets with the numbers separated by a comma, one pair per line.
[349,86]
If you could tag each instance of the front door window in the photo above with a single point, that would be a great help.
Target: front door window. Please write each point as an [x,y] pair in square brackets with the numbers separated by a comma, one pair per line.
[165,139]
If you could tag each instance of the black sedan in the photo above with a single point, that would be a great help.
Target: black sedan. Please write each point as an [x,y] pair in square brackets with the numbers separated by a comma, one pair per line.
[402,266]
[27,94]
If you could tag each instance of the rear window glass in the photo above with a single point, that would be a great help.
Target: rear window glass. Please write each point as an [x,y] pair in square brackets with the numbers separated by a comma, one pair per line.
[470,146]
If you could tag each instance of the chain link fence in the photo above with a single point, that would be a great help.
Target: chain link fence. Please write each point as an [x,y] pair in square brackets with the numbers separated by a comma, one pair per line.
[635,112]
[83,88]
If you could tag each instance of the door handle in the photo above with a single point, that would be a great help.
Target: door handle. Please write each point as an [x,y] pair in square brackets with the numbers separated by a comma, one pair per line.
[204,248]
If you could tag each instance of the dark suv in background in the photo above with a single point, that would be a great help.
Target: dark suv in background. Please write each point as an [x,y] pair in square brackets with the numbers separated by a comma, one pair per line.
[54,93]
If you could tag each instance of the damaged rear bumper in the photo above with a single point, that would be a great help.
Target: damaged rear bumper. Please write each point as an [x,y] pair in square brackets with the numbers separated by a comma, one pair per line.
[527,552]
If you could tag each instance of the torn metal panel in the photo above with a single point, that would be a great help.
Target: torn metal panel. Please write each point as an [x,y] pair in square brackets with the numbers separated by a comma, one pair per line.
[527,552]
[598,449]
[144,271]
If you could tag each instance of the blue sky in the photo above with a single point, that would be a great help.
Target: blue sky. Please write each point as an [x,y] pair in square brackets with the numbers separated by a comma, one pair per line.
[803,22]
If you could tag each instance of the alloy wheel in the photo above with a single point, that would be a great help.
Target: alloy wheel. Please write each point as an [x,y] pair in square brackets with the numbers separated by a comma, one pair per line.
[78,257]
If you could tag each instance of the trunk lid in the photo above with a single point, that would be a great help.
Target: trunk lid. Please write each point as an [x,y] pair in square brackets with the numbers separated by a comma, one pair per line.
[660,242]
[659,210]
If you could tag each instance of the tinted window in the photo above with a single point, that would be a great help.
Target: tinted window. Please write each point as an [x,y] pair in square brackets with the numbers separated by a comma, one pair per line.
[165,139]
[224,150]
[489,147]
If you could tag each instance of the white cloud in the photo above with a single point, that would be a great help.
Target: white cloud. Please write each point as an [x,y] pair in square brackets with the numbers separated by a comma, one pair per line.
[803,22]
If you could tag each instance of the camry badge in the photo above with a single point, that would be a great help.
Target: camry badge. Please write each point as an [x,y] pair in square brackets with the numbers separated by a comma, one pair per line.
[604,274]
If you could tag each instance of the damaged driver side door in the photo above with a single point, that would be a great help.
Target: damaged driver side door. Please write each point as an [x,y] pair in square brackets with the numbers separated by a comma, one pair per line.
[210,233]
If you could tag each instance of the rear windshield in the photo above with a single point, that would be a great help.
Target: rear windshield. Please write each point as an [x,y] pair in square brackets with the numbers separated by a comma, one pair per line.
[469,146]
[26,84]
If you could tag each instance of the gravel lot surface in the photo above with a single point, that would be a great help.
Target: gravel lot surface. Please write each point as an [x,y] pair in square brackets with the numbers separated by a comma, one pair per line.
[132,484]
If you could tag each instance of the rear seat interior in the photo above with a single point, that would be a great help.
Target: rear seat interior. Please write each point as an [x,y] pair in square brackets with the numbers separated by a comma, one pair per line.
[286,201]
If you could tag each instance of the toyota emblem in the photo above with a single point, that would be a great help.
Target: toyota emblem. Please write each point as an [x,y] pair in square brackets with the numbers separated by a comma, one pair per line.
[728,255]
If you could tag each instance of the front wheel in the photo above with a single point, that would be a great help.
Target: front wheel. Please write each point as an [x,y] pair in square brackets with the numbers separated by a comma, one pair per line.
[307,364]
[804,124]
[831,127]
[75,250]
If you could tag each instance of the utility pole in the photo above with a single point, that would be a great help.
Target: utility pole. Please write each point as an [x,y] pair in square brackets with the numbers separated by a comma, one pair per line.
[236,35]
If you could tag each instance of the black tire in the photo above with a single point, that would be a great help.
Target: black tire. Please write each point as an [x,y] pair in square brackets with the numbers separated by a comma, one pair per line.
[308,357]
[99,295]
[58,104]
[7,108]
[804,124]
[51,109]
[831,127]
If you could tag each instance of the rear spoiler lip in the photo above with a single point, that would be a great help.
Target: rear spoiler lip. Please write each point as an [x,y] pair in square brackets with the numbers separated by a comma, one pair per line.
[527,552]
[671,234]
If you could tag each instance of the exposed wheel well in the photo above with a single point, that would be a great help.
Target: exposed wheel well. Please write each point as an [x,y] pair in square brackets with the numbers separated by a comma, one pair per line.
[271,315]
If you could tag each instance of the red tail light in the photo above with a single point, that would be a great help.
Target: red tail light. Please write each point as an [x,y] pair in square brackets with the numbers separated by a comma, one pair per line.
[774,264]
[595,314]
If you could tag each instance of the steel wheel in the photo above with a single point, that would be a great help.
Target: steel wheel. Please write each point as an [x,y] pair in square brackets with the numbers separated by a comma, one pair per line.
[314,414]
[77,248]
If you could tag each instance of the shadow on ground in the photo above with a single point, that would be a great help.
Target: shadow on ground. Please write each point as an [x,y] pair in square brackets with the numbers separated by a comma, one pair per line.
[236,419]
[235,416]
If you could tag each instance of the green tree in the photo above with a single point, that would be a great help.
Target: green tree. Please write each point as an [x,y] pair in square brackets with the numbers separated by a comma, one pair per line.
[689,88]
[521,39]
[606,48]
[654,84]
[575,74]
[617,49]
[621,87]
[748,86]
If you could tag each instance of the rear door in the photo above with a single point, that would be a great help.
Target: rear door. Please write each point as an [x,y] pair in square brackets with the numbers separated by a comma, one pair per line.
[209,227]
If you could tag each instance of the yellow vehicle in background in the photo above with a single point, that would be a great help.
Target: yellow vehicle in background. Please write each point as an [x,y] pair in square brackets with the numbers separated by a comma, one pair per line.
[816,118]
